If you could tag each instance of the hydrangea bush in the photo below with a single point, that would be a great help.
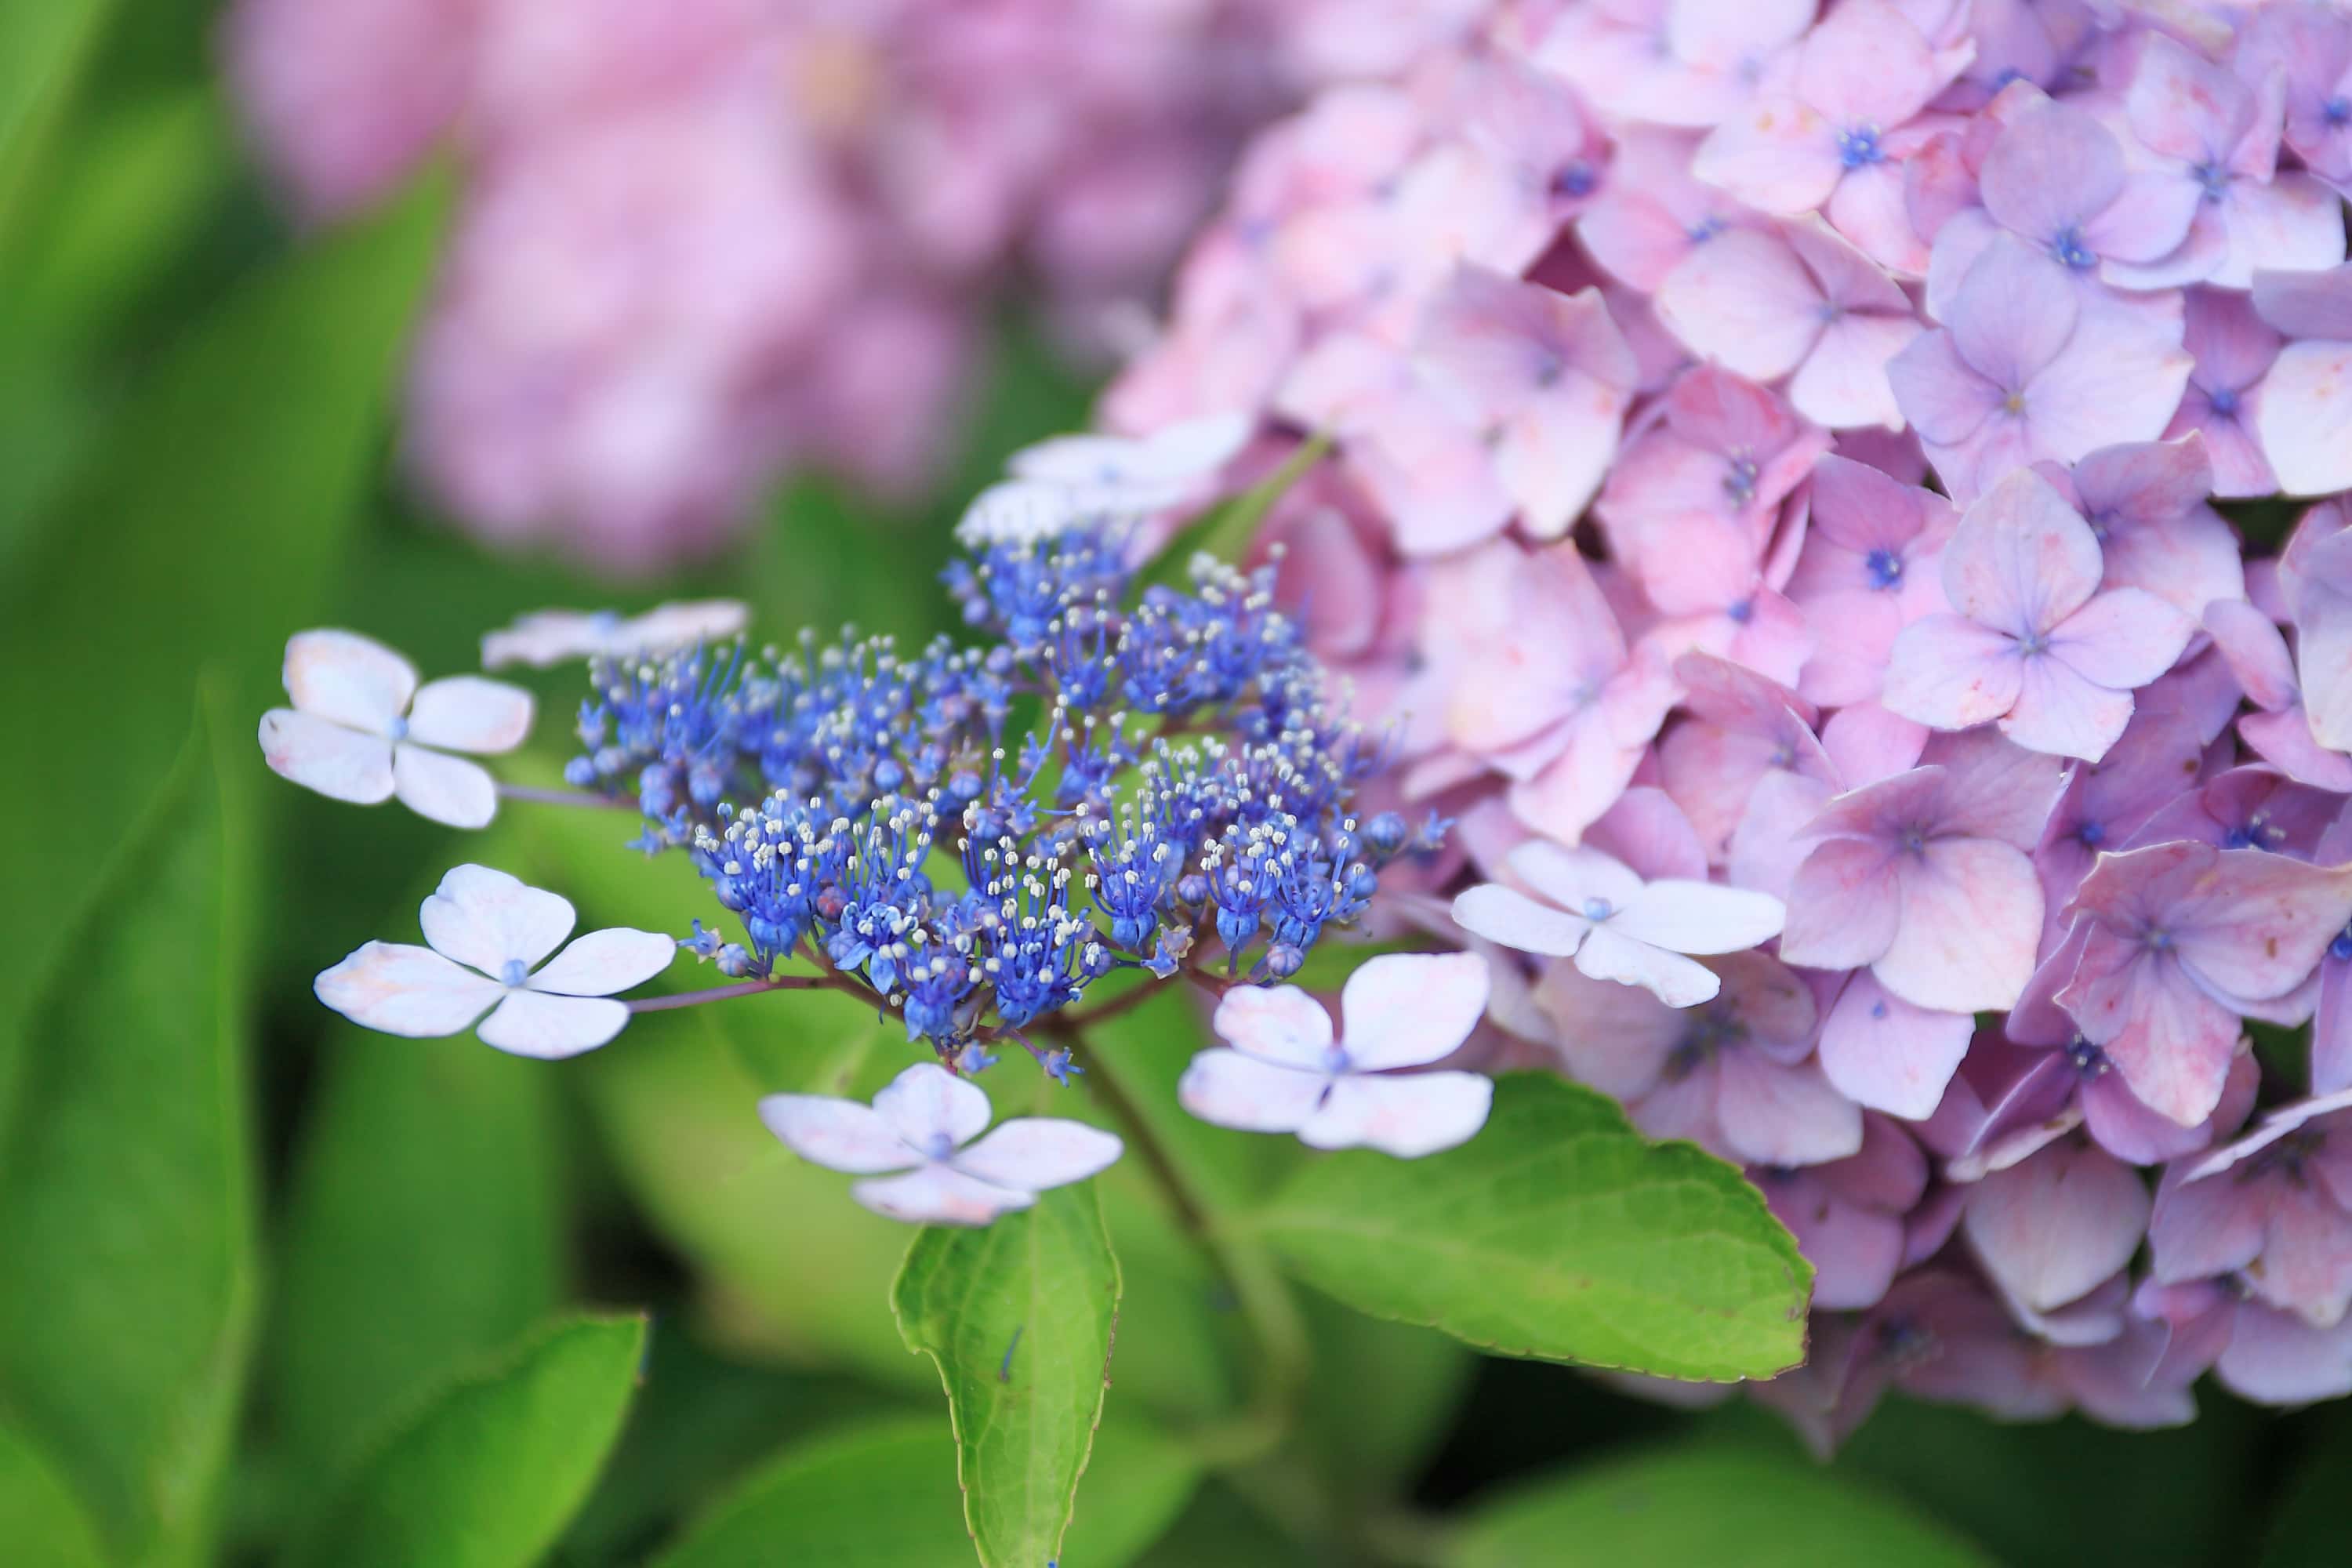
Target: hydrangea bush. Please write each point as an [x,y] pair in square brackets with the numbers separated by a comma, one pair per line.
[704,241]
[1842,507]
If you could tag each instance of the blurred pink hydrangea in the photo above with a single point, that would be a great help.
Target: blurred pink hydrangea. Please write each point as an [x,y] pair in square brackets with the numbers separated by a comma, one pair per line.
[703,241]
[1811,453]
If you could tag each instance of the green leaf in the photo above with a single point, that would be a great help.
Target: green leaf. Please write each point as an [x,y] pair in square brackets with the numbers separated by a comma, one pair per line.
[1703,1506]
[425,1231]
[1020,1316]
[1379,1398]
[485,1474]
[217,500]
[878,1495]
[2305,1529]
[1561,1233]
[40,1519]
[1225,532]
[43,51]
[127,1301]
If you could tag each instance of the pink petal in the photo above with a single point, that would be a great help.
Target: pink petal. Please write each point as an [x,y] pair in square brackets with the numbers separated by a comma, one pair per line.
[2051,1227]
[1774,1115]
[1942,395]
[1777,156]
[2011,316]
[2301,303]
[1744,300]
[2204,1228]
[1949,673]
[1404,1010]
[1971,920]
[605,962]
[2306,408]
[2061,714]
[1232,1089]
[1034,1152]
[839,1134]
[403,990]
[320,754]
[2119,380]
[489,919]
[1844,906]
[1554,452]
[2256,653]
[535,1023]
[1278,1024]
[1616,1038]
[2276,1358]
[1407,1115]
[927,1104]
[2053,167]
[348,680]
[442,789]
[2122,638]
[1854,1252]
[2172,1043]
[1843,382]
[1883,1053]
[2021,557]
[938,1194]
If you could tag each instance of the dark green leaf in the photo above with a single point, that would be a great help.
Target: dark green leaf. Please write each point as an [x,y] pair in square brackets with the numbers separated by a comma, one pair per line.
[2306,1523]
[486,1473]
[125,1188]
[879,1495]
[1019,1316]
[1712,1505]
[424,1232]
[1558,1232]
[219,494]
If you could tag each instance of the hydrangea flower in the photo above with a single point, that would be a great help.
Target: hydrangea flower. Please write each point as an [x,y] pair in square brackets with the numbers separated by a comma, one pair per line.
[363,729]
[1600,912]
[488,939]
[918,1137]
[547,637]
[2036,643]
[2307,394]
[2272,1209]
[1070,480]
[1282,1070]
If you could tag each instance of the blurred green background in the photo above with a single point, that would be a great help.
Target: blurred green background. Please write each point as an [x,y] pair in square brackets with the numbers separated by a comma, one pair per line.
[244,1249]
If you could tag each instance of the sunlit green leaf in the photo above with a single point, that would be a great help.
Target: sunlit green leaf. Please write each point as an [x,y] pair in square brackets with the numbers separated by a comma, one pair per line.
[1557,1232]
[1137,1480]
[1703,1506]
[486,1473]
[1020,1317]
[878,1495]
[125,1181]
[40,1519]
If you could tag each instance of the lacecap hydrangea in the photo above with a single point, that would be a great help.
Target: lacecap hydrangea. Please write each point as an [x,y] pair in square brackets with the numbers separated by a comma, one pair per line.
[1884,458]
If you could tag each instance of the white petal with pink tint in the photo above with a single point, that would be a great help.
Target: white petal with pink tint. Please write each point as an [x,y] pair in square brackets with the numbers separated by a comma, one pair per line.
[1676,980]
[1949,673]
[1276,1023]
[2051,1227]
[938,1194]
[1407,1115]
[1698,917]
[1883,1053]
[839,1134]
[1508,916]
[540,1024]
[445,789]
[926,1104]
[605,962]
[406,990]
[2306,409]
[348,680]
[339,762]
[1234,1089]
[547,637]
[468,713]
[489,919]
[1035,1153]
[1405,1010]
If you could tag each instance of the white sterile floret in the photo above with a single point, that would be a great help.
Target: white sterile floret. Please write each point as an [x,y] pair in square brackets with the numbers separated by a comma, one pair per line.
[1617,926]
[919,1127]
[487,933]
[546,637]
[1282,1071]
[1069,480]
[363,729]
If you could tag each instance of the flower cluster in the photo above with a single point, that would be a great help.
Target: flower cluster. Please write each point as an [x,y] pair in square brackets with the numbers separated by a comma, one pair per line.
[703,240]
[1119,777]
[1794,490]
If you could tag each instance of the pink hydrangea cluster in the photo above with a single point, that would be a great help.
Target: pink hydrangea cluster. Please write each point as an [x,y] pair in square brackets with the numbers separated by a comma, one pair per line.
[704,241]
[1798,452]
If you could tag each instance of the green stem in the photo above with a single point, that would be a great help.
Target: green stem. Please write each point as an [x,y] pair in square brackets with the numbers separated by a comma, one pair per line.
[1259,1291]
